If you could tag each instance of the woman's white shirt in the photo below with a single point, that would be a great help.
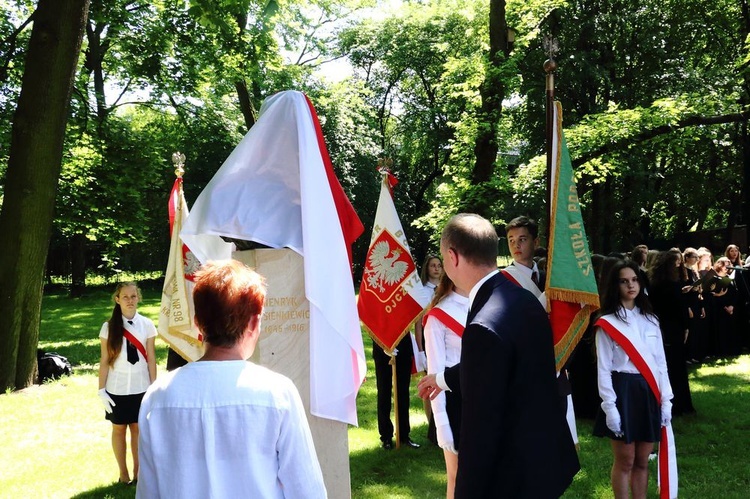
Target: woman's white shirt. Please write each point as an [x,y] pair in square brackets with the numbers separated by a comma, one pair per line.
[612,358]
[123,377]
[443,346]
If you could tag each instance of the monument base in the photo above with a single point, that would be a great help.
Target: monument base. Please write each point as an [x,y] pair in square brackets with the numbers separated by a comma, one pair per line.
[284,347]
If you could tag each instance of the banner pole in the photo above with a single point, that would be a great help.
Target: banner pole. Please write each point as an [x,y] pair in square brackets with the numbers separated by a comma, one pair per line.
[549,67]
[394,382]
[550,44]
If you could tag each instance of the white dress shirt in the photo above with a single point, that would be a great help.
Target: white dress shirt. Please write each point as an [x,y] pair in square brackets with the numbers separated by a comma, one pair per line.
[612,358]
[123,377]
[444,346]
[221,429]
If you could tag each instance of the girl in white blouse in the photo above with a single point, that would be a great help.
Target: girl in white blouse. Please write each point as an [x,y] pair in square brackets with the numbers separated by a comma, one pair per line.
[443,328]
[630,352]
[126,369]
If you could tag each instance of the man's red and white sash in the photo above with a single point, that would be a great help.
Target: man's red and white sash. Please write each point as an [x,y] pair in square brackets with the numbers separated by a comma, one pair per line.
[633,346]
[516,276]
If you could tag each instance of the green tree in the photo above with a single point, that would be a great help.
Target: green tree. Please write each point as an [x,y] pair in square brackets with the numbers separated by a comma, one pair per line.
[632,81]
[31,180]
[421,69]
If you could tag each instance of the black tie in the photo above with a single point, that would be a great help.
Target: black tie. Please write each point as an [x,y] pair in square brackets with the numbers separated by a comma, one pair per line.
[132,351]
[535,278]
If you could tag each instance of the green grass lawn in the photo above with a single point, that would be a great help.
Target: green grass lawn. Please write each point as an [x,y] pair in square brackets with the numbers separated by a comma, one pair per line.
[56,442]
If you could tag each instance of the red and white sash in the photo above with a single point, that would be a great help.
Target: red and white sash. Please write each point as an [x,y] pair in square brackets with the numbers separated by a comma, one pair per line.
[516,276]
[446,319]
[633,346]
[137,344]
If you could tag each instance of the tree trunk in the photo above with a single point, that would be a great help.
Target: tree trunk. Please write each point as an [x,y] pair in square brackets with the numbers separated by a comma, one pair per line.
[77,265]
[492,93]
[246,104]
[31,181]
[606,226]
[745,140]
[745,135]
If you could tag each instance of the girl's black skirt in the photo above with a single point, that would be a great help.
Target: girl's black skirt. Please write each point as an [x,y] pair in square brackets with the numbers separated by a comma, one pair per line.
[453,409]
[126,408]
[639,410]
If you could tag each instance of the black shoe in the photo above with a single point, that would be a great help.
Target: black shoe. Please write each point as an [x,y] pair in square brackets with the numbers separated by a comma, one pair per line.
[409,443]
[387,444]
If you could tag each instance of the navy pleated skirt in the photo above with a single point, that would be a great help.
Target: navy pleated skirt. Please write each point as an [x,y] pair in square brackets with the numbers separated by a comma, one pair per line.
[640,412]
[453,409]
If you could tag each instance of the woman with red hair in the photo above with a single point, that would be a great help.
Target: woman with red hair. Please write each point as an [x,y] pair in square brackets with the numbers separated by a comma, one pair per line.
[222,426]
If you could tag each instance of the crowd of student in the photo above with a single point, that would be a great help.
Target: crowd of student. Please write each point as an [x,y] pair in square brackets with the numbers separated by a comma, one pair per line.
[703,307]
[661,312]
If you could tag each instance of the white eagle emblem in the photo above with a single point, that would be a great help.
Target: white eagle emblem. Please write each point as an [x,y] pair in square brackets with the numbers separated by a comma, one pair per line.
[384,267]
[191,264]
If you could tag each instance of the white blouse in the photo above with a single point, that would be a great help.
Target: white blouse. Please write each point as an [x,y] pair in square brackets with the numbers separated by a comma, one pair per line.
[612,358]
[443,346]
[123,377]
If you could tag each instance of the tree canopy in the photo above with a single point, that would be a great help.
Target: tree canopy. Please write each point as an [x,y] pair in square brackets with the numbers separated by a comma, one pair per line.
[655,98]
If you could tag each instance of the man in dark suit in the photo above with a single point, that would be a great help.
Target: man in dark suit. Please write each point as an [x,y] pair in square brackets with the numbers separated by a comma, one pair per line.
[515,442]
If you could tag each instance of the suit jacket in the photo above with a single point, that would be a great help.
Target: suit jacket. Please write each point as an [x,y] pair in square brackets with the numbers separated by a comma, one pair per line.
[515,440]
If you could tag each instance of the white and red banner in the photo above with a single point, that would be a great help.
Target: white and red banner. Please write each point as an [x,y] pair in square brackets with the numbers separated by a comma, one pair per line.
[278,188]
[176,314]
[390,295]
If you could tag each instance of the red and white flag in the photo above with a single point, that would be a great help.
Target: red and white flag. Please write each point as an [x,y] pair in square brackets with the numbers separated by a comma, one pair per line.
[278,188]
[176,314]
[390,294]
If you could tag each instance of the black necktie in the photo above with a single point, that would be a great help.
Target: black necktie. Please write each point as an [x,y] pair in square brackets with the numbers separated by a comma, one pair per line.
[535,278]
[132,351]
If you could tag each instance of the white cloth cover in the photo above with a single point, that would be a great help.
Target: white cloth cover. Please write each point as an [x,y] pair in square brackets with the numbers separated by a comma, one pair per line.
[273,190]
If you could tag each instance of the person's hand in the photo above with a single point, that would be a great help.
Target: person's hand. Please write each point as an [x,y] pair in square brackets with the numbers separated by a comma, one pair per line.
[666,412]
[445,438]
[703,313]
[427,388]
[107,401]
[690,313]
[614,423]
[729,309]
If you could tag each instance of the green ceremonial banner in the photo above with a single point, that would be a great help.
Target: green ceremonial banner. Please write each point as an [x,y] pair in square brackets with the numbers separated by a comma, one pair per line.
[571,289]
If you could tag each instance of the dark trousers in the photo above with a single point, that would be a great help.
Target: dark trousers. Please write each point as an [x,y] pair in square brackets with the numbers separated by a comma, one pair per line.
[384,381]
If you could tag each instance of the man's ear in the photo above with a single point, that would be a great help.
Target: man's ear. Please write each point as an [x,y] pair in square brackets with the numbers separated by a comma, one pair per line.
[454,256]
[536,242]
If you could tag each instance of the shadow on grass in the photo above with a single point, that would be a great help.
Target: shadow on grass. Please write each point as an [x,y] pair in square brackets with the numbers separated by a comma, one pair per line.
[377,472]
[114,491]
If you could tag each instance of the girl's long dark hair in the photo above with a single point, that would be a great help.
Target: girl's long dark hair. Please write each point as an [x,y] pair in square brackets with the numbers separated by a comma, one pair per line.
[443,288]
[611,303]
[114,324]
[664,269]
